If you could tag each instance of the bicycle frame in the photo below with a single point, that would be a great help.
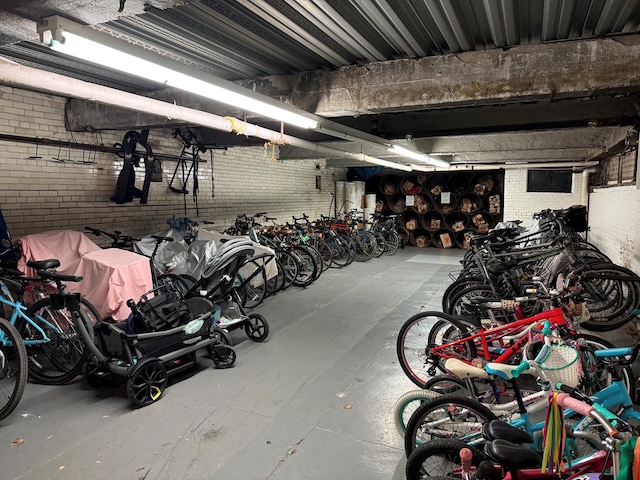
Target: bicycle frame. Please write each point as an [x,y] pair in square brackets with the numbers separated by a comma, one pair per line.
[19,311]
[499,334]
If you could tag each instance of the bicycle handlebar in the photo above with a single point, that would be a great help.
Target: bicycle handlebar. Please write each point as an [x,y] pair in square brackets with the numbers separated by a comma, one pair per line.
[567,401]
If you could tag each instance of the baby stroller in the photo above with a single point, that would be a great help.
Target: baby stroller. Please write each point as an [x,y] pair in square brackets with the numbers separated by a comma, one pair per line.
[166,329]
[219,285]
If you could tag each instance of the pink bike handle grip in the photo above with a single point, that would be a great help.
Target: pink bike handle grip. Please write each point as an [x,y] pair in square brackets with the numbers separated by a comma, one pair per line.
[577,406]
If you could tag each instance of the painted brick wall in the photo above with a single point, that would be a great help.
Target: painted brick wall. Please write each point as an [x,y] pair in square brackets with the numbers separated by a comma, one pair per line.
[69,188]
[614,216]
[521,205]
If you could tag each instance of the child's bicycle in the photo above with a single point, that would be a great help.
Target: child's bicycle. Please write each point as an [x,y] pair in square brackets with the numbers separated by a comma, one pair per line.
[425,457]
[508,455]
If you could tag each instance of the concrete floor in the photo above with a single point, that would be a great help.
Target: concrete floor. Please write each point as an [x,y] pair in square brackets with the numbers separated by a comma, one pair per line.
[313,402]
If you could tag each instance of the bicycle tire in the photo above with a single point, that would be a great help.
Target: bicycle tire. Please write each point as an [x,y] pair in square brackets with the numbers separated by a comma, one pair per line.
[391,243]
[307,267]
[364,246]
[315,253]
[325,252]
[419,333]
[456,286]
[60,360]
[596,376]
[349,244]
[290,267]
[438,459]
[13,368]
[255,289]
[454,416]
[407,404]
[613,295]
[380,244]
[340,253]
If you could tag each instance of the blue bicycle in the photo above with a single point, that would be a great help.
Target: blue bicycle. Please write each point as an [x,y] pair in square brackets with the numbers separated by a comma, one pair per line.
[55,351]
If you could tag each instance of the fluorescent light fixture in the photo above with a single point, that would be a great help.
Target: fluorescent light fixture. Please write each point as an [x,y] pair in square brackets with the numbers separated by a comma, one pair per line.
[95,52]
[385,163]
[421,157]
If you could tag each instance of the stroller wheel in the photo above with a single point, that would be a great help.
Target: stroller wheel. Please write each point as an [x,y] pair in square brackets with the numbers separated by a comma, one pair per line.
[221,336]
[256,327]
[223,356]
[147,382]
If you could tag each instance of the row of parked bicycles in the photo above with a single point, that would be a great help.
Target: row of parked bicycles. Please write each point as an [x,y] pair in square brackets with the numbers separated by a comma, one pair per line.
[517,337]
[52,336]
[305,248]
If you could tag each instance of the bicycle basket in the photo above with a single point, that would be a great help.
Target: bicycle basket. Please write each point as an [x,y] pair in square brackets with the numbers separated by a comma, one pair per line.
[560,363]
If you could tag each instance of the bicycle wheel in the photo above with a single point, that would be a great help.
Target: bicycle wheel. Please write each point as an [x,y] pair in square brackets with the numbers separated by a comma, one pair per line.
[364,246]
[59,360]
[380,244]
[612,296]
[407,404]
[289,266]
[439,459]
[253,278]
[448,416]
[307,267]
[596,377]
[455,287]
[13,368]
[317,257]
[391,242]
[340,252]
[325,252]
[423,331]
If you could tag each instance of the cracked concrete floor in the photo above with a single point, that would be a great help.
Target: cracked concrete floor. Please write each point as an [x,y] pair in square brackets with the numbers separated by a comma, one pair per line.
[312,402]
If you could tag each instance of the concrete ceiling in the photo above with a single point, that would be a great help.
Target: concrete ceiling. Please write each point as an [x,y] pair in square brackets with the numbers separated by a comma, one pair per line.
[490,81]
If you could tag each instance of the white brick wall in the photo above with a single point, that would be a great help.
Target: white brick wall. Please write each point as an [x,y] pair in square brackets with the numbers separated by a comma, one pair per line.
[521,205]
[38,194]
[614,216]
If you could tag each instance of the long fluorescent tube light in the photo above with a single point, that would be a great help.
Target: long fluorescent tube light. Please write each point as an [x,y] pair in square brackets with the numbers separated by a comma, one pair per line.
[421,157]
[95,52]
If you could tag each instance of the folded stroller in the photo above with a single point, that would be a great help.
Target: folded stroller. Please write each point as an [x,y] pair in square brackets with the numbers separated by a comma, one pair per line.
[219,284]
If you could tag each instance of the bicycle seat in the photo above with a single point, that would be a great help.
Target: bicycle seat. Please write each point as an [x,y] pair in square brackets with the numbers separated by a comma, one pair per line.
[43,264]
[500,266]
[463,370]
[499,429]
[513,455]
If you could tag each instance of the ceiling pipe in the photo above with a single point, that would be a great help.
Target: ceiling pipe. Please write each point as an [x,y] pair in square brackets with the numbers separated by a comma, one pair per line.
[509,166]
[14,74]
[52,28]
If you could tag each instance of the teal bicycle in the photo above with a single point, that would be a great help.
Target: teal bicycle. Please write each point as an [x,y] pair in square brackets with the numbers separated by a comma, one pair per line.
[55,351]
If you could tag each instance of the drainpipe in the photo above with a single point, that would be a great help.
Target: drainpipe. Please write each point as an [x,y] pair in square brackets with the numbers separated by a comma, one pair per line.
[585,186]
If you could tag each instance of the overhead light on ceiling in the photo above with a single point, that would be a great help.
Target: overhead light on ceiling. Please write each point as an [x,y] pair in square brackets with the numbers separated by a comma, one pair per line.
[421,157]
[78,44]
[386,163]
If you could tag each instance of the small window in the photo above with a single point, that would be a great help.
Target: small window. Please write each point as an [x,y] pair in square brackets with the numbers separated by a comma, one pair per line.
[549,181]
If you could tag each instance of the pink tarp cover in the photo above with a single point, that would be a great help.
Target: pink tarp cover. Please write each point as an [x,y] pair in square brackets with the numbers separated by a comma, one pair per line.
[110,276]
